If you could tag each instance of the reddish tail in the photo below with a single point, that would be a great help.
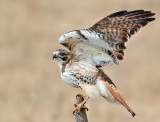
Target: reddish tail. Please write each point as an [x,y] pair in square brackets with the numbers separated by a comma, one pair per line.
[118,97]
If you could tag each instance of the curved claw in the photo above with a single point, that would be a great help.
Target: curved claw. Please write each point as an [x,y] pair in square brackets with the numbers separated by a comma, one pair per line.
[74,112]
[87,109]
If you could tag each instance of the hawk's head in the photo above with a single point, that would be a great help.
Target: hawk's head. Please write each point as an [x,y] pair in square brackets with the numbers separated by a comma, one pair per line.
[60,55]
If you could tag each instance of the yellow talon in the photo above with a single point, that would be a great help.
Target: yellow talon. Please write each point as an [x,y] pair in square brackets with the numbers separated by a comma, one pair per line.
[80,106]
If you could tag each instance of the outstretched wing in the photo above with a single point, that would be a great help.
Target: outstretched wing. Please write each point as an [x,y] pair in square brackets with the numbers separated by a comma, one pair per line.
[105,41]
[122,25]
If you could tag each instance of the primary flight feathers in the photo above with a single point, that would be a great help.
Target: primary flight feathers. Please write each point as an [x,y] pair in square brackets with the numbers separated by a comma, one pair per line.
[122,25]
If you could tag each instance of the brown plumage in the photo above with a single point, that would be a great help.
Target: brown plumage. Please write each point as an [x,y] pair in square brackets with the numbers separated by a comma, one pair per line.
[122,25]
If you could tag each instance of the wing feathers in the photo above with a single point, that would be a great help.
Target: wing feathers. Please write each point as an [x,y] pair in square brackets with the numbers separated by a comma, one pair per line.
[117,14]
[122,25]
[108,35]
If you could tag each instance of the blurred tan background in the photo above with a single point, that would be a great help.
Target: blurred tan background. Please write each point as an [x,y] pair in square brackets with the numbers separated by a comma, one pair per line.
[31,89]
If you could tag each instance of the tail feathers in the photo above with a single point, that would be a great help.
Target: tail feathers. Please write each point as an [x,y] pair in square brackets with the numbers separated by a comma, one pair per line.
[118,97]
[125,105]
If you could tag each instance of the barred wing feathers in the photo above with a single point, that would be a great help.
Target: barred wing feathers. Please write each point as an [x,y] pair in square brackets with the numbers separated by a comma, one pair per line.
[122,25]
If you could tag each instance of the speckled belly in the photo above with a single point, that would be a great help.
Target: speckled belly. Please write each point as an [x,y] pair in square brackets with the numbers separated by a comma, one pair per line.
[79,73]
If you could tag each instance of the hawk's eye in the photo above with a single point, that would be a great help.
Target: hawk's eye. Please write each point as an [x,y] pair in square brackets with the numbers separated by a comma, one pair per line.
[62,54]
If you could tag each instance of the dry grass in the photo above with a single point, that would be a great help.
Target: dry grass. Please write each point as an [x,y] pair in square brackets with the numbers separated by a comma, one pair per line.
[31,89]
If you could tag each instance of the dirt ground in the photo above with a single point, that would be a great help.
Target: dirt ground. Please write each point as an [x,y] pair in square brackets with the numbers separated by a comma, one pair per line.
[31,89]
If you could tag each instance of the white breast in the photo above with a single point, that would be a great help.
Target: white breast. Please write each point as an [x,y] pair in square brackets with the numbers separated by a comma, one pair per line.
[79,72]
[68,78]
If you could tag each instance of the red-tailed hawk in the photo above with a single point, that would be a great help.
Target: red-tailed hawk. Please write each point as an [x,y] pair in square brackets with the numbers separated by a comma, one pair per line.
[100,45]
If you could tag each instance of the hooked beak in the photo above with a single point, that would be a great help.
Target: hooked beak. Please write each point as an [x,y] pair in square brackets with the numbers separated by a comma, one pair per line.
[54,56]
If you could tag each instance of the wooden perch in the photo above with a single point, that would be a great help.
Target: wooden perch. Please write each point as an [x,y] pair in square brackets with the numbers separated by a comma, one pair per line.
[81,116]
